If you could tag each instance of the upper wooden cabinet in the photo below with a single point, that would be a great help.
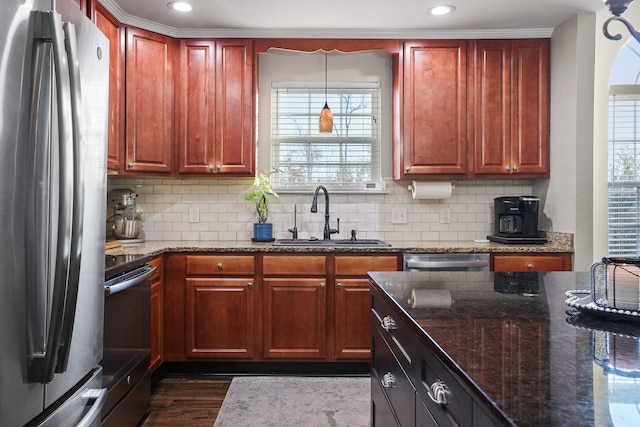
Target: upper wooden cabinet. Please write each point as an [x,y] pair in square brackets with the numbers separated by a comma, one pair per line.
[434,110]
[215,107]
[115,33]
[149,102]
[509,108]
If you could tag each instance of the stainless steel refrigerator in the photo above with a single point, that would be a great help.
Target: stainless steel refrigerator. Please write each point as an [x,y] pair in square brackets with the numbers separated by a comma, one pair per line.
[53,123]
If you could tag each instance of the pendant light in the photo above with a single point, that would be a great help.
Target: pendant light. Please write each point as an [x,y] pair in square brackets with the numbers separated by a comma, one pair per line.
[325,123]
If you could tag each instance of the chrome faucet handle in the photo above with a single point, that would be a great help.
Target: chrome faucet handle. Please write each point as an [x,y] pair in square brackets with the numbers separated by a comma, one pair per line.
[337,229]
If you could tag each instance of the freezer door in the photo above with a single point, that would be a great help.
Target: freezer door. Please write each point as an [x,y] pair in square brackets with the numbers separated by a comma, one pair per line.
[82,409]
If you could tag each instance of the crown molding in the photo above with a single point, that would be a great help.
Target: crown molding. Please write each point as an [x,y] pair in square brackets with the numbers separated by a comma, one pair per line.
[302,33]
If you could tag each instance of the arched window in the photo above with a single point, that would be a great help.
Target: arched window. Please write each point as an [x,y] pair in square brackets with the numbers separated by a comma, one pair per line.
[624,153]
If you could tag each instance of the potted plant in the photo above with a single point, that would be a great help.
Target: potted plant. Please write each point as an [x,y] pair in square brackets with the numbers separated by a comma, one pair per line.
[260,194]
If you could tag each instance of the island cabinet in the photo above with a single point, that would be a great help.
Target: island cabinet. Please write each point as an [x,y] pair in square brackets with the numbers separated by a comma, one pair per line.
[533,262]
[294,307]
[220,306]
[434,110]
[409,379]
[157,315]
[110,26]
[352,328]
[214,88]
[149,102]
[509,108]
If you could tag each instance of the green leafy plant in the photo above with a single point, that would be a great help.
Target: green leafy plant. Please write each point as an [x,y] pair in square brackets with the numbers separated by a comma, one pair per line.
[261,193]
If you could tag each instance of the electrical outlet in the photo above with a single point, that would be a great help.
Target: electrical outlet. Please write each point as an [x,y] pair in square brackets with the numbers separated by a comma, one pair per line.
[194,214]
[445,216]
[398,215]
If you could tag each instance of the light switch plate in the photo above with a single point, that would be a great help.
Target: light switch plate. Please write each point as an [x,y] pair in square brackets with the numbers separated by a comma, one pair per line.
[398,215]
[445,216]
[194,214]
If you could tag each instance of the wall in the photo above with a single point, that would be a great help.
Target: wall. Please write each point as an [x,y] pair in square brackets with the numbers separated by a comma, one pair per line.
[224,215]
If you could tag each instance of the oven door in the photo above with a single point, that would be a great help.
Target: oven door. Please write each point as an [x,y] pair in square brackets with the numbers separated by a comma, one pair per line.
[127,345]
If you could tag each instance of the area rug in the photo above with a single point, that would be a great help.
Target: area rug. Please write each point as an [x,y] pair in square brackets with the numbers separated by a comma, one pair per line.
[288,401]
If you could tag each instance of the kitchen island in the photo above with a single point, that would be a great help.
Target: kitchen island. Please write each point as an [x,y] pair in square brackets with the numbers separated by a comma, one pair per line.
[499,349]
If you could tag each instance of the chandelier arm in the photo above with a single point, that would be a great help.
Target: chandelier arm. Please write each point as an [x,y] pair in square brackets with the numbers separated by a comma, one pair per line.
[605,28]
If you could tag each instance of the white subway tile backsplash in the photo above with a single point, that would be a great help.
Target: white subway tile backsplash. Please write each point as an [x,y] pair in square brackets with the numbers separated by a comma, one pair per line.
[225,215]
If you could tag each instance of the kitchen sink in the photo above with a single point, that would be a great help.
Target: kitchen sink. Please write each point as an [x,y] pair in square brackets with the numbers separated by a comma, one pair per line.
[342,242]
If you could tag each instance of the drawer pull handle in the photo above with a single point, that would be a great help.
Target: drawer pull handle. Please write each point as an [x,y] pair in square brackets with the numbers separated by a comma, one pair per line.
[388,380]
[530,266]
[322,285]
[219,266]
[388,324]
[250,285]
[438,392]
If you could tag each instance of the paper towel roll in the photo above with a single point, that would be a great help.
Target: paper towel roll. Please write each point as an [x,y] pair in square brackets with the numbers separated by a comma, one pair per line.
[431,190]
[436,298]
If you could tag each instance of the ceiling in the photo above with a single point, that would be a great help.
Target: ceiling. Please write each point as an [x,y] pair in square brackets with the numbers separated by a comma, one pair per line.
[349,18]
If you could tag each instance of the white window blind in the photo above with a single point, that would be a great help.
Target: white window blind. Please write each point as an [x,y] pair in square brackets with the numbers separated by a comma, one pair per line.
[345,159]
[624,170]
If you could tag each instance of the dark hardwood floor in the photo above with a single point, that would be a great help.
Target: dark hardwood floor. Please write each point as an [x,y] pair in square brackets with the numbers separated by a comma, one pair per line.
[186,400]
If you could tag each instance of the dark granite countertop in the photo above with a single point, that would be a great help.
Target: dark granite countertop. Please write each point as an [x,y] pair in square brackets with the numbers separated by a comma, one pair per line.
[514,342]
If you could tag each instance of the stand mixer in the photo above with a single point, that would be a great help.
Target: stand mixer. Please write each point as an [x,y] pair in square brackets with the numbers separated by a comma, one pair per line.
[126,218]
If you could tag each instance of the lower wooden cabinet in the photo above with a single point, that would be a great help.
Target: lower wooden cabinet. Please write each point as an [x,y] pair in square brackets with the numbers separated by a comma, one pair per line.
[157,316]
[270,307]
[523,262]
[220,318]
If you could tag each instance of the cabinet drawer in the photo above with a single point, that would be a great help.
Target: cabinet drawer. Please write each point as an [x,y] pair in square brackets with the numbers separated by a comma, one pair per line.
[361,265]
[299,265]
[423,416]
[394,381]
[531,262]
[220,265]
[394,330]
[381,413]
[459,407]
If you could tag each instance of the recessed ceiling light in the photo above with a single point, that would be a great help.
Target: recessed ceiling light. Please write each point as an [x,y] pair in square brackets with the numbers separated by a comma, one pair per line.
[441,10]
[180,6]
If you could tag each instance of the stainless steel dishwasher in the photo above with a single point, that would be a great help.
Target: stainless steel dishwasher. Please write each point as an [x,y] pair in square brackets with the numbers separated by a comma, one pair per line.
[446,262]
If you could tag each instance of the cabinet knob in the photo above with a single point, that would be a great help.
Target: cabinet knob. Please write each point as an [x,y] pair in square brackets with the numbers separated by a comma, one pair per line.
[130,164]
[388,324]
[250,285]
[218,167]
[322,285]
[530,266]
[339,285]
[438,392]
[407,169]
[388,380]
[219,266]
[508,168]
[515,168]
[210,168]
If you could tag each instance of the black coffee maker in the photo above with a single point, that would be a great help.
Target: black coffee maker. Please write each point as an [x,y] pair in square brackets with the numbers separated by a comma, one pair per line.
[516,220]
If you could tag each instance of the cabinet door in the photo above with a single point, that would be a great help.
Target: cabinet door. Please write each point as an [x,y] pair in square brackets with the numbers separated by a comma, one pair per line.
[149,101]
[435,108]
[234,151]
[490,106]
[115,132]
[352,324]
[295,318]
[530,107]
[196,106]
[220,315]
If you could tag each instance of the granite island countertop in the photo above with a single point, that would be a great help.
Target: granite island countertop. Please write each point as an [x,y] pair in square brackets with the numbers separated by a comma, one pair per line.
[514,341]
[558,243]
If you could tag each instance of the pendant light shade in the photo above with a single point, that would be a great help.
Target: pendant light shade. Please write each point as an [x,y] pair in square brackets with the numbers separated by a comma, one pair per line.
[325,122]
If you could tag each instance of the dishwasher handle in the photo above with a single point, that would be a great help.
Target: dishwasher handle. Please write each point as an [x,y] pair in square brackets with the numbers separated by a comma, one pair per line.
[435,264]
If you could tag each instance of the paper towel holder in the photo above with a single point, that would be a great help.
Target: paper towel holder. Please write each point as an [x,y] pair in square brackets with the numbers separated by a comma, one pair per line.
[410,187]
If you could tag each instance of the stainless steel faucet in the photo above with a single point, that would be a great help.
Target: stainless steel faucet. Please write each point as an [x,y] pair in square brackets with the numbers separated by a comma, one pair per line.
[328,231]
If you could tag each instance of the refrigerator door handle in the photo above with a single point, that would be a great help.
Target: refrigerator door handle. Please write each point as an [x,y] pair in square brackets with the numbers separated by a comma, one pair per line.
[78,198]
[51,30]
